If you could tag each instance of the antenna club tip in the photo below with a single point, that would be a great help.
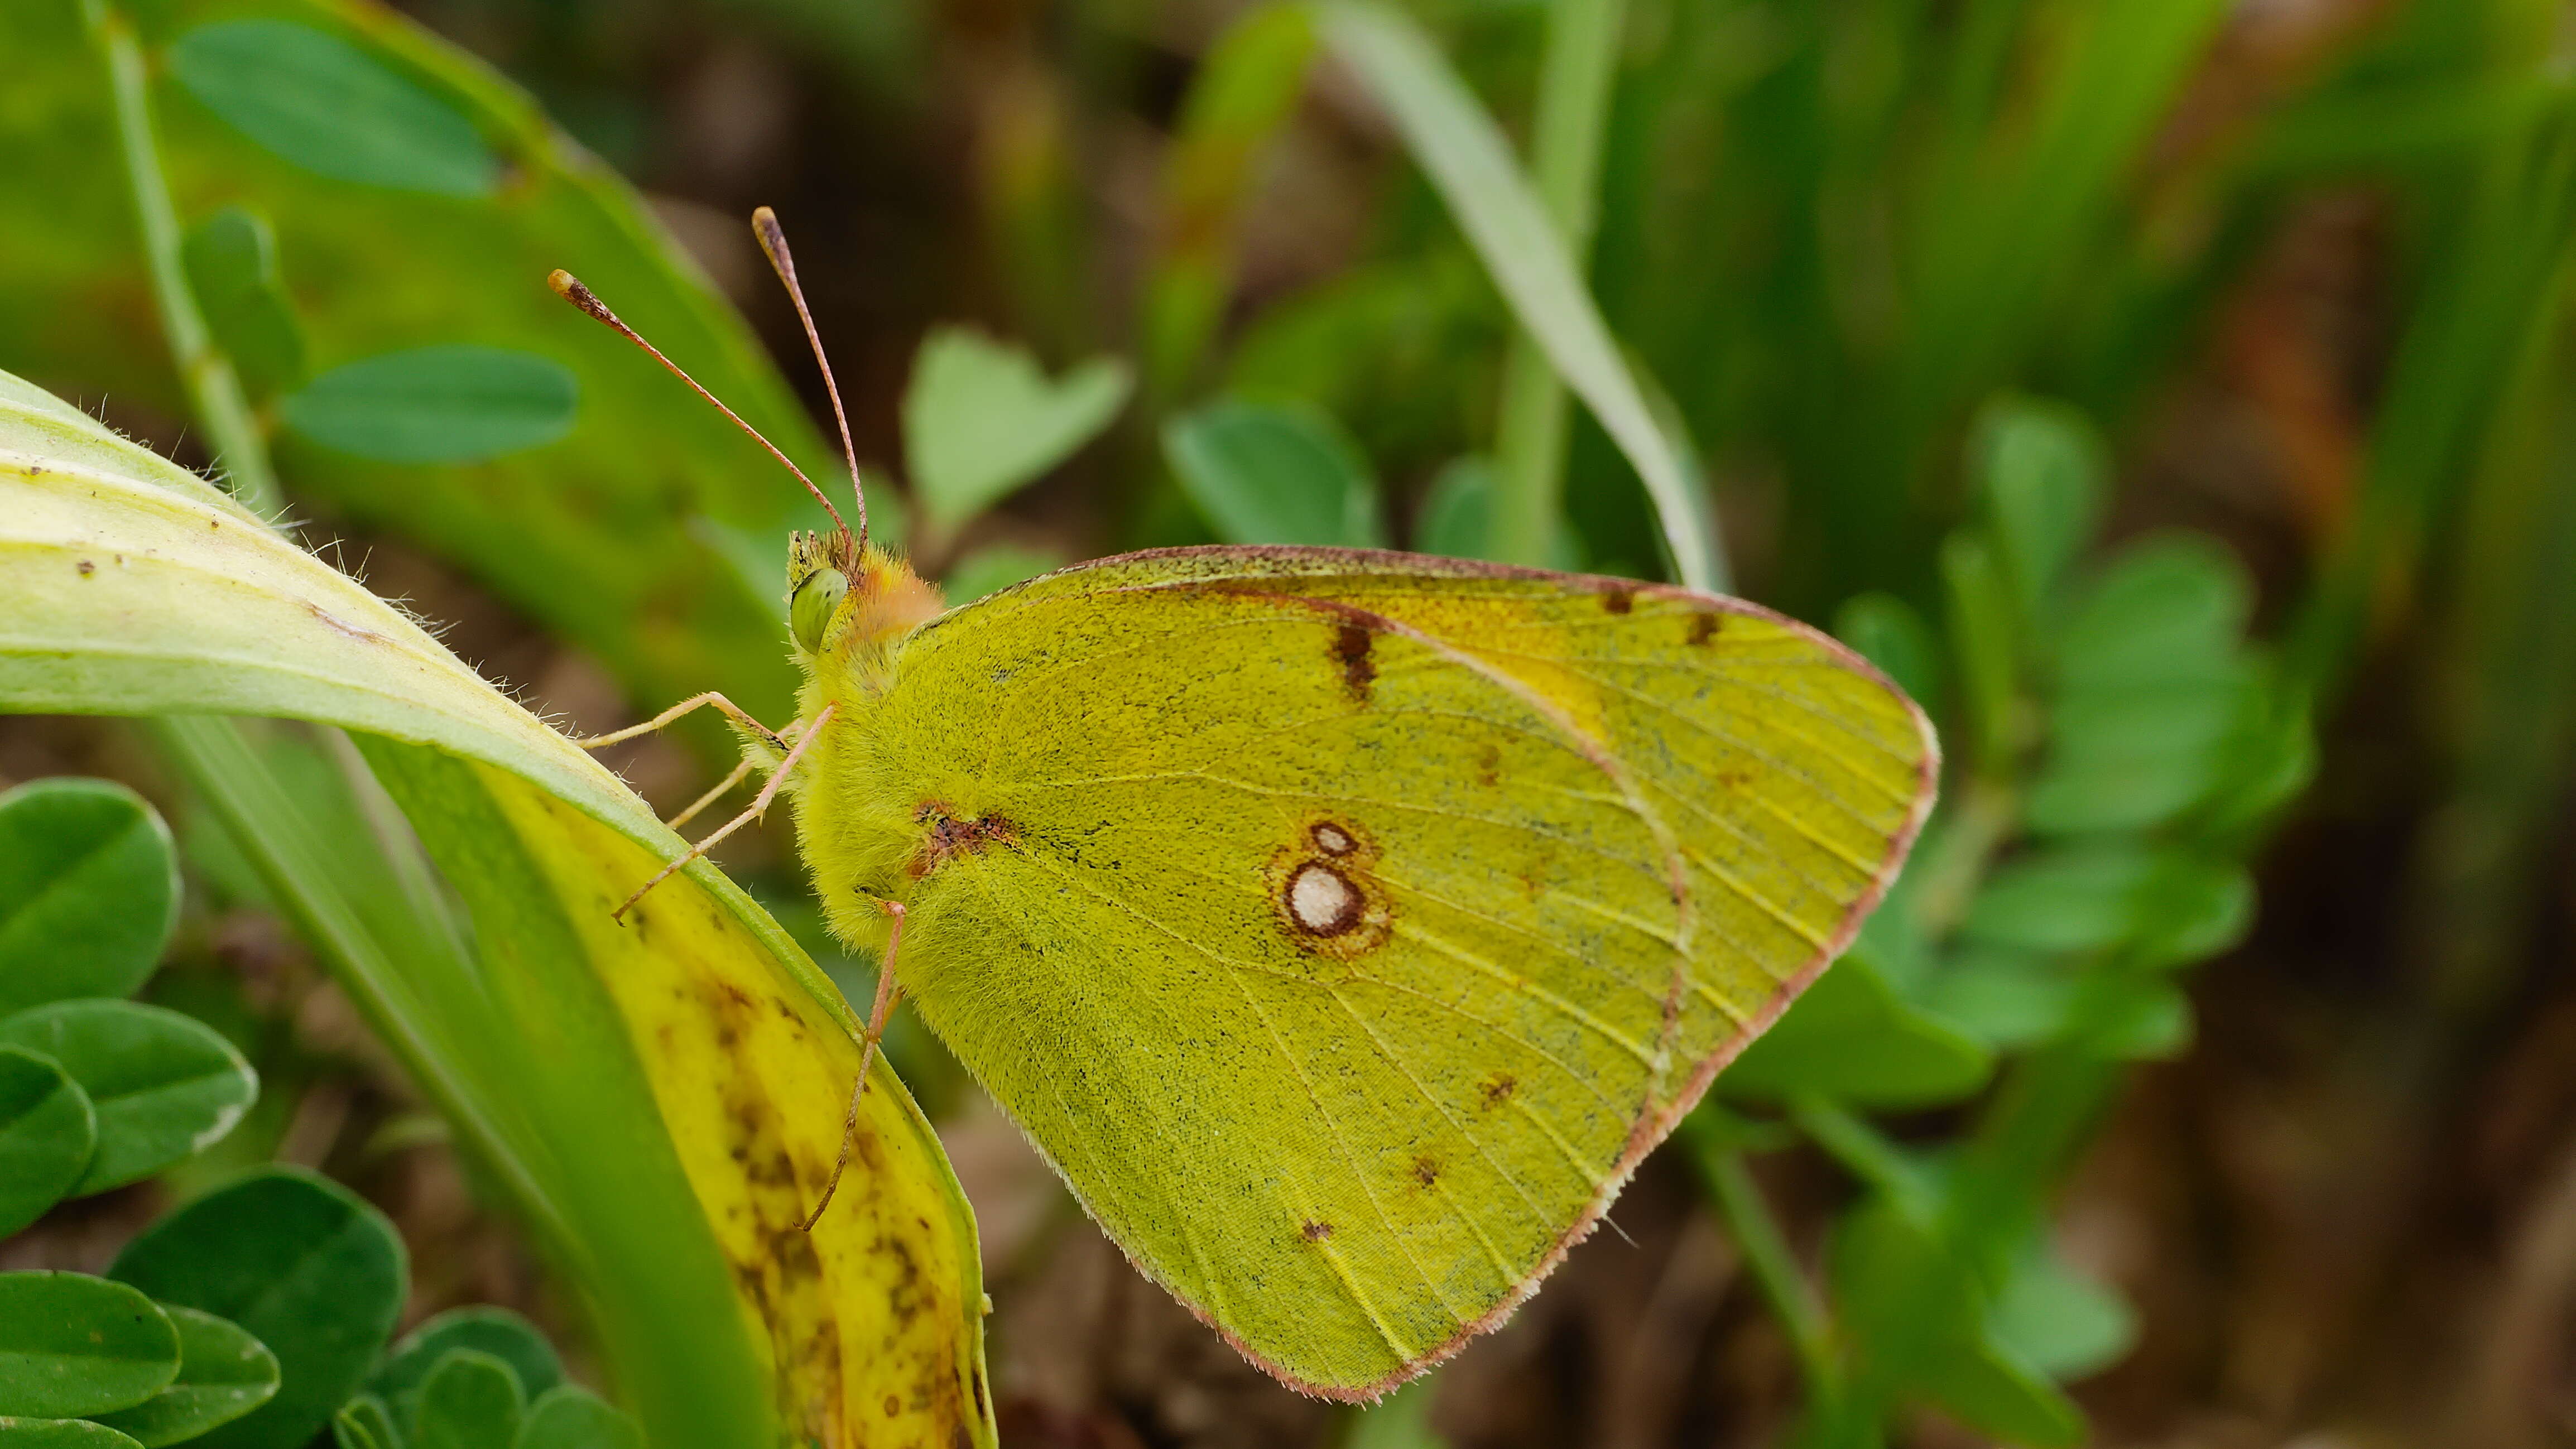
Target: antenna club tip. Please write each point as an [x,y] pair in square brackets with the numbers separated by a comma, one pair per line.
[569,287]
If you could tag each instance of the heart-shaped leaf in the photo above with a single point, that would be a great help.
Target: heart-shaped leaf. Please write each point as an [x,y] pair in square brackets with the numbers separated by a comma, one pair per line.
[571,1417]
[300,1263]
[447,404]
[89,887]
[980,420]
[47,1131]
[224,1373]
[1264,474]
[331,108]
[471,1400]
[164,1085]
[71,1344]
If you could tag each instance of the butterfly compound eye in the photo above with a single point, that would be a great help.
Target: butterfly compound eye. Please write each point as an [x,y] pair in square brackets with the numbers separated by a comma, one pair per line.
[810,611]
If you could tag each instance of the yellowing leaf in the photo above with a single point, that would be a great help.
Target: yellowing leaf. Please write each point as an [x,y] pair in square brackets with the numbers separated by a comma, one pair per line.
[669,1089]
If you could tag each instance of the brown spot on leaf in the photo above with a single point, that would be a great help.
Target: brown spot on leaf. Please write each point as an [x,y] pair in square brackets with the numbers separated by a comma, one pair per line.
[1618,601]
[1315,1232]
[1497,1089]
[1704,627]
[1351,649]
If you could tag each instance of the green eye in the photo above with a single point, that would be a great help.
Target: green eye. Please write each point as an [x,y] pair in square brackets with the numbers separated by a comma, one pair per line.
[811,610]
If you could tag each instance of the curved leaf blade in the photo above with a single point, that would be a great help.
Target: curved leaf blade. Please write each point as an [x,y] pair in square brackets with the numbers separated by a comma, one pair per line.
[329,107]
[447,404]
[584,1023]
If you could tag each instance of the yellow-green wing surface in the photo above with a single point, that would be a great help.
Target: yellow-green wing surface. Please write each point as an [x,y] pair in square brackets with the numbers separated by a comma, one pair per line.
[1345,926]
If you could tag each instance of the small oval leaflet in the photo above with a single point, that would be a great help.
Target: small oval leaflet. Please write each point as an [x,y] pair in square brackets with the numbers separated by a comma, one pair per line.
[447,404]
[329,107]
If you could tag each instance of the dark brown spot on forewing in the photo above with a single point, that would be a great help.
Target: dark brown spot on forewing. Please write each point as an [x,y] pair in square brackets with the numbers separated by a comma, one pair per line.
[1315,1232]
[1705,626]
[1425,1171]
[1497,1089]
[1351,649]
[950,836]
[1618,601]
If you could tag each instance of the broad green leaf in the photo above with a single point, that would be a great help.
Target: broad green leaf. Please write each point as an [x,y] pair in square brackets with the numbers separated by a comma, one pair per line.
[1850,1038]
[71,1345]
[2059,1322]
[2169,611]
[224,1373]
[47,1132]
[449,404]
[18,1433]
[332,108]
[585,1046]
[1456,518]
[598,536]
[571,1417]
[231,259]
[1267,474]
[980,420]
[89,886]
[1462,150]
[163,1085]
[470,1400]
[365,1423]
[496,1332]
[2042,472]
[2130,759]
[2004,998]
[1401,1420]
[2072,898]
[991,570]
[298,1262]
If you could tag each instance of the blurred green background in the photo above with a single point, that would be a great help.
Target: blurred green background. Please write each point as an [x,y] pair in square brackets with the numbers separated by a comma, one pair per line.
[2174,394]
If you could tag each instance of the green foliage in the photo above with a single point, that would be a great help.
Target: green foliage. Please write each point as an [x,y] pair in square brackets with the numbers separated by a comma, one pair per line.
[89,891]
[1264,474]
[980,420]
[231,260]
[305,1266]
[18,1433]
[224,1373]
[73,1345]
[449,404]
[469,1400]
[325,105]
[162,1085]
[48,1131]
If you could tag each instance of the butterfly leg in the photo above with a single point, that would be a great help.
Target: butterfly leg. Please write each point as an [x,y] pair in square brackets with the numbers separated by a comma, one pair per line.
[888,993]
[716,791]
[731,710]
[759,806]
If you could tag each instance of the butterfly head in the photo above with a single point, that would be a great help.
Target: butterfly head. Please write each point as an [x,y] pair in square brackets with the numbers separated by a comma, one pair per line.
[845,595]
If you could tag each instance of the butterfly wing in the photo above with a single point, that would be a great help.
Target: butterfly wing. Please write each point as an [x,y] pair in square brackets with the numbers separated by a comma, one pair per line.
[1346,926]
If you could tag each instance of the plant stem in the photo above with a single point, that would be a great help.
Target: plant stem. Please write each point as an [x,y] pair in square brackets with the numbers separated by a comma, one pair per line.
[214,389]
[1766,1253]
[1573,111]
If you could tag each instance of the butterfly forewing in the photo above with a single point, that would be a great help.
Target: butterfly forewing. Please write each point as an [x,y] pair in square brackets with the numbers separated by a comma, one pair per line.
[1345,926]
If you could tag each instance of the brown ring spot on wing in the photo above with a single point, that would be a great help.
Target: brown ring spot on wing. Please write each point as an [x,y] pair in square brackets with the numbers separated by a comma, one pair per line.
[1331,838]
[1322,901]
[1351,645]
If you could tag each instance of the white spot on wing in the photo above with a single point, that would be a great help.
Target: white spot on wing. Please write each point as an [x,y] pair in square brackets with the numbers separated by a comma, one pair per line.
[1321,901]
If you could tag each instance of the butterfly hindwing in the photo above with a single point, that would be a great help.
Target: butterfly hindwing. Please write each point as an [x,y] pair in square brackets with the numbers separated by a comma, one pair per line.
[1345,926]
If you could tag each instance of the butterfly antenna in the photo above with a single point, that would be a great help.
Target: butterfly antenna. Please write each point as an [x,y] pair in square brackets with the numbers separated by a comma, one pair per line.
[569,287]
[773,240]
